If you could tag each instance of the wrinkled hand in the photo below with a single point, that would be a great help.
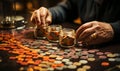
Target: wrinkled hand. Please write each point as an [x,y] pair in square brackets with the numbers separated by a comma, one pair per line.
[41,16]
[94,33]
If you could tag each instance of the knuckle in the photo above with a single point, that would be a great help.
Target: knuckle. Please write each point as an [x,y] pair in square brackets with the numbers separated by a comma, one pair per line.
[97,27]
[87,31]
[48,21]
[42,14]
[82,26]
[42,7]
[95,21]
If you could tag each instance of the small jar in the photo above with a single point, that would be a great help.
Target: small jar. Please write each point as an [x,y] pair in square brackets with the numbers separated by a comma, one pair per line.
[67,38]
[40,31]
[53,33]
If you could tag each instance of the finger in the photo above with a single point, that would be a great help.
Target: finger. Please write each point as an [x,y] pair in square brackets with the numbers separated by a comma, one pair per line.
[38,17]
[32,17]
[86,33]
[49,18]
[43,15]
[35,18]
[82,28]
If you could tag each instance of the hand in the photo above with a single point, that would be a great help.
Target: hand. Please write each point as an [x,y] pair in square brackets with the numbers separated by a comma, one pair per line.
[41,16]
[94,33]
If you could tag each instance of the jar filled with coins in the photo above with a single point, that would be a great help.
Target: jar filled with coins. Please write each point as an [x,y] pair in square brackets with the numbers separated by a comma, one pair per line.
[7,23]
[67,38]
[40,31]
[53,33]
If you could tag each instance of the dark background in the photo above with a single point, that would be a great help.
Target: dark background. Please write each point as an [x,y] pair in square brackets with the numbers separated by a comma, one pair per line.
[8,7]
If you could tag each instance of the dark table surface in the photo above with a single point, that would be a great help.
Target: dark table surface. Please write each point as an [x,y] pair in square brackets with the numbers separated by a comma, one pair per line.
[7,64]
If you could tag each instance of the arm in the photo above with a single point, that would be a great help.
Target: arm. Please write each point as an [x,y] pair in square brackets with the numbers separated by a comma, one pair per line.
[116,29]
[65,11]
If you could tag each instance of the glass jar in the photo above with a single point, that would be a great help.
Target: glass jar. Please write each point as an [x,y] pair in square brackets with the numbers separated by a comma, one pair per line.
[67,38]
[40,31]
[7,23]
[53,33]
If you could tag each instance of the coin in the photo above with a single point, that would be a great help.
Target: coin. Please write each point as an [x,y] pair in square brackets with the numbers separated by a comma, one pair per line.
[99,53]
[87,67]
[91,59]
[81,69]
[102,57]
[111,59]
[69,63]
[117,59]
[59,68]
[105,63]
[72,67]
[110,55]
[65,60]
[57,62]
[83,61]
[77,63]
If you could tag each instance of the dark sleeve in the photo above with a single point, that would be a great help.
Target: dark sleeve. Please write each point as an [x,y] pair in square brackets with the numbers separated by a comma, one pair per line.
[116,28]
[65,11]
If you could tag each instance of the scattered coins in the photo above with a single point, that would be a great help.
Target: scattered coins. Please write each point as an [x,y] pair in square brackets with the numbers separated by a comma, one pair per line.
[42,55]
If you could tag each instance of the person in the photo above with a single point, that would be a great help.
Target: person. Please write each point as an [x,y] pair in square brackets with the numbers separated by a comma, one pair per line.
[100,18]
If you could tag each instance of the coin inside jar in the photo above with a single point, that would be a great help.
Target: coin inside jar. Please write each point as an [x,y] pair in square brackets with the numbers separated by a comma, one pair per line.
[40,32]
[53,33]
[67,37]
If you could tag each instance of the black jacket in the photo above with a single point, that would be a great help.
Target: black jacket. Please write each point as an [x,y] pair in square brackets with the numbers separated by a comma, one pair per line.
[89,10]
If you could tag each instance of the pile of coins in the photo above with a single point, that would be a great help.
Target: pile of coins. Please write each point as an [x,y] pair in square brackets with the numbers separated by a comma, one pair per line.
[42,55]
